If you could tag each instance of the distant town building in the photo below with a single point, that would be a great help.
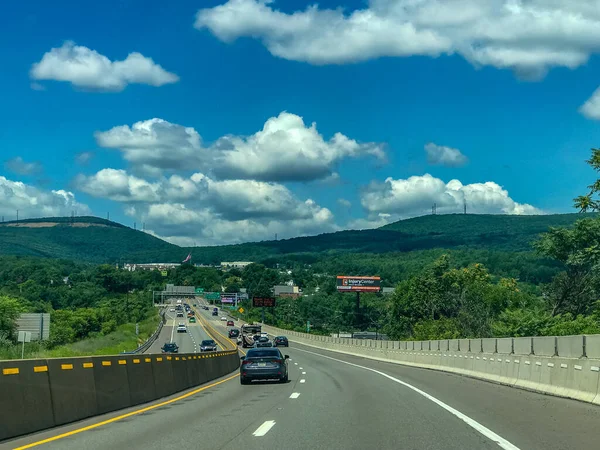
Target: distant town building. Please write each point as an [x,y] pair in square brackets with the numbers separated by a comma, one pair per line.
[284,290]
[150,266]
[235,264]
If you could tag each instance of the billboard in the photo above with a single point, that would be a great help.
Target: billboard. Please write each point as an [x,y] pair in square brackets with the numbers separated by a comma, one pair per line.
[227,297]
[358,284]
[268,302]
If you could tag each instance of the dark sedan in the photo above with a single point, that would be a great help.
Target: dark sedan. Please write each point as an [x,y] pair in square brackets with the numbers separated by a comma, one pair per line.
[208,345]
[170,347]
[281,341]
[263,342]
[264,364]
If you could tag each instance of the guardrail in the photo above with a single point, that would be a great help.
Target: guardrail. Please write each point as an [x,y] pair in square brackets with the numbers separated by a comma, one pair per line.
[563,366]
[146,345]
[44,393]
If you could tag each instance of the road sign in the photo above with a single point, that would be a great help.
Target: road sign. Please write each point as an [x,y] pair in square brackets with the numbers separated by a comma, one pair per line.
[268,302]
[241,310]
[228,297]
[358,284]
[199,290]
[164,273]
[24,336]
[212,295]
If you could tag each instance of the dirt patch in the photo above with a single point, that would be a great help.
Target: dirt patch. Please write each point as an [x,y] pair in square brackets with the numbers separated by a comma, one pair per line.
[52,224]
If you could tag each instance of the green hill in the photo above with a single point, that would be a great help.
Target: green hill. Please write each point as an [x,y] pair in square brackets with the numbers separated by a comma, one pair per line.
[98,240]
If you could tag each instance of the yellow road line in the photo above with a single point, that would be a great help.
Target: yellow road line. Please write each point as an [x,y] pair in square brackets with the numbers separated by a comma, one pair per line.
[207,325]
[124,416]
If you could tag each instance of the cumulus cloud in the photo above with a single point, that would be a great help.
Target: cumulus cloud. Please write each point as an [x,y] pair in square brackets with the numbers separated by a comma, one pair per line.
[19,166]
[591,108]
[414,196]
[86,68]
[284,150]
[179,224]
[526,36]
[208,210]
[440,155]
[34,202]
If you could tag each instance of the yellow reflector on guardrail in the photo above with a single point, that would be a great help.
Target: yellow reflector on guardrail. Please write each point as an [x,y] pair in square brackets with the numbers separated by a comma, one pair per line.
[10,371]
[159,359]
[88,365]
[122,362]
[169,358]
[40,368]
[66,366]
[106,363]
[136,361]
[150,360]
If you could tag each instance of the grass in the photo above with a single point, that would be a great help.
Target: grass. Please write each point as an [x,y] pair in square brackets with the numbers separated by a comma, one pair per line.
[123,339]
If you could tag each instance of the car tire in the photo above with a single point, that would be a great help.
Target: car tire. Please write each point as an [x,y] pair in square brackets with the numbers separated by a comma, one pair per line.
[284,379]
[243,381]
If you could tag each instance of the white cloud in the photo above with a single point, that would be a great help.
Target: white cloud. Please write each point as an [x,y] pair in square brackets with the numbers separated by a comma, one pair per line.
[591,108]
[19,166]
[345,203]
[34,202]
[83,158]
[284,150]
[119,186]
[414,196]
[86,68]
[376,221]
[527,36]
[207,210]
[444,156]
[179,224]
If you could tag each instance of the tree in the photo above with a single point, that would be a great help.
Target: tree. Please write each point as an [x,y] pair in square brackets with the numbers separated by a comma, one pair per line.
[10,309]
[587,202]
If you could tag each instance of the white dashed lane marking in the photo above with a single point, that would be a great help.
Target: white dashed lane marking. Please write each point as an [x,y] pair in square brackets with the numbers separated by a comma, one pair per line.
[295,395]
[303,373]
[264,428]
[302,381]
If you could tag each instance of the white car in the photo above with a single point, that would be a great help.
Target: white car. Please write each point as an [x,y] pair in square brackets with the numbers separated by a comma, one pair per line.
[223,318]
[172,310]
[181,328]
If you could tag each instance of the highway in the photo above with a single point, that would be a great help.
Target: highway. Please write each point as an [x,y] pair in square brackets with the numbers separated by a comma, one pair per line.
[336,401]
[188,342]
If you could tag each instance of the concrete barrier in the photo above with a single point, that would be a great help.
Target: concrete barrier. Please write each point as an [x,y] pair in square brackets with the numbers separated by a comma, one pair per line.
[40,394]
[25,398]
[111,384]
[566,366]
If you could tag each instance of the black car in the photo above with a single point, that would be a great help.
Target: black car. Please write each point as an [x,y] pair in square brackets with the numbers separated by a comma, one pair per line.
[215,313]
[264,364]
[170,347]
[281,341]
[233,333]
[208,345]
[262,342]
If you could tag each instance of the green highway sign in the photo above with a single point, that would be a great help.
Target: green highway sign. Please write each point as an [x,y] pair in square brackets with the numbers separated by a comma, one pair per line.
[212,296]
[199,290]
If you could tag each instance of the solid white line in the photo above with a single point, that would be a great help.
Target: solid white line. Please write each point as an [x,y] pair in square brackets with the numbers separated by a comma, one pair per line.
[302,381]
[264,428]
[295,395]
[503,443]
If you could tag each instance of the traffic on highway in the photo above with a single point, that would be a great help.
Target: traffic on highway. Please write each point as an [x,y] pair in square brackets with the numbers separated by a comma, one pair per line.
[289,395]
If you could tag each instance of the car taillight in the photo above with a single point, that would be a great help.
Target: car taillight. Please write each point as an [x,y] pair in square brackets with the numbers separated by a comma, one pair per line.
[278,361]
[246,362]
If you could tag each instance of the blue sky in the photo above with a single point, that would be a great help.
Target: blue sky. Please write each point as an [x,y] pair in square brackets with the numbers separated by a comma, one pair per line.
[498,106]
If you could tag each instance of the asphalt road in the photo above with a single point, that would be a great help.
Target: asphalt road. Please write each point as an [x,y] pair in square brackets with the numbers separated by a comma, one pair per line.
[336,401]
[188,342]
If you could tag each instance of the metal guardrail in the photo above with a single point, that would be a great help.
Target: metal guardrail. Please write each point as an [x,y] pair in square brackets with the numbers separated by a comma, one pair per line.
[146,345]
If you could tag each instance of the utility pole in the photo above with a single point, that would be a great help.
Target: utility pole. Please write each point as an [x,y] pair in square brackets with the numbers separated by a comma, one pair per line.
[17,215]
[107,216]
[358,309]
[465,205]
[134,226]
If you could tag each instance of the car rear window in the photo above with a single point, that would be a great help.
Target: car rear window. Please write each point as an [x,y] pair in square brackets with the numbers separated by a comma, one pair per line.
[263,354]
[208,343]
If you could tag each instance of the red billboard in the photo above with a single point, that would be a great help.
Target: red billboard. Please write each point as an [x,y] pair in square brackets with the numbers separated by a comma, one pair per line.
[358,284]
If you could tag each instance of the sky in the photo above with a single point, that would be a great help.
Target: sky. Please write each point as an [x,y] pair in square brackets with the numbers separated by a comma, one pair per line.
[218,122]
